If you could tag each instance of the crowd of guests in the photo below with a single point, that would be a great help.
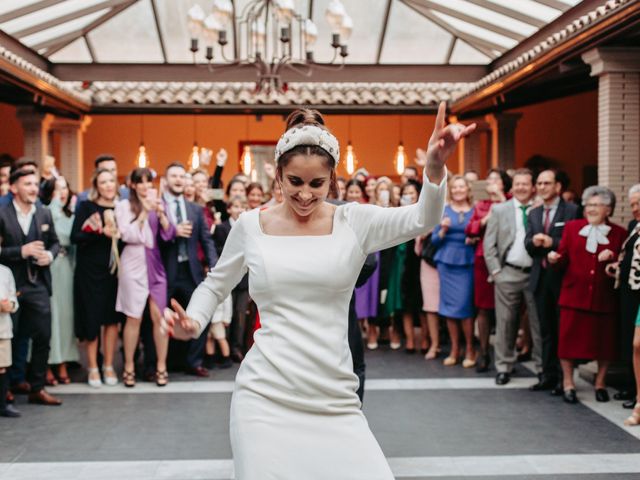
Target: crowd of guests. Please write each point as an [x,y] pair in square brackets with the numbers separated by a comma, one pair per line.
[557,281]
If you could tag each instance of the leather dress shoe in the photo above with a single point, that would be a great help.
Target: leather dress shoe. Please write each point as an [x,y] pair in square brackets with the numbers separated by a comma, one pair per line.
[570,396]
[629,404]
[483,363]
[602,395]
[197,371]
[524,357]
[237,356]
[543,384]
[10,398]
[10,411]
[624,395]
[22,388]
[44,398]
[557,391]
[503,378]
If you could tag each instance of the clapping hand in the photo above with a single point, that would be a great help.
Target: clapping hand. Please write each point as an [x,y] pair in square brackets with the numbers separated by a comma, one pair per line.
[93,223]
[443,142]
[445,223]
[542,240]
[605,255]
[553,257]
[177,324]
[32,249]
[6,306]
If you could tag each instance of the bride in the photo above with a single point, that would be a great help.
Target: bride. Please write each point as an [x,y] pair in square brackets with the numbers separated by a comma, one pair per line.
[294,412]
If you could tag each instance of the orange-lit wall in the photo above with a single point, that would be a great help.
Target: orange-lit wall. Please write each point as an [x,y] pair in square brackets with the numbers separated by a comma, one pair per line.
[564,129]
[170,137]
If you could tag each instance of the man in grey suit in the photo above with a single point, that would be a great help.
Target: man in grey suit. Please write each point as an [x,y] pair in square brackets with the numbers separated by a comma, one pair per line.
[509,265]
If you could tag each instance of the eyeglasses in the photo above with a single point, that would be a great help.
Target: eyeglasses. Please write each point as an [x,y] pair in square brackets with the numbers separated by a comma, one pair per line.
[594,205]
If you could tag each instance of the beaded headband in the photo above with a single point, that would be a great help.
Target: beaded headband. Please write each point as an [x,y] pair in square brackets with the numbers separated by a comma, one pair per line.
[309,135]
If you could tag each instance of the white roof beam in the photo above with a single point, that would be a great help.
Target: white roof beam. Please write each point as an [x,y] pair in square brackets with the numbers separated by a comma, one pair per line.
[34,7]
[557,4]
[504,9]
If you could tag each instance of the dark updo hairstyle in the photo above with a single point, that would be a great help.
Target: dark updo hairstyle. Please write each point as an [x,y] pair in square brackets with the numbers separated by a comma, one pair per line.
[138,175]
[360,185]
[506,179]
[302,117]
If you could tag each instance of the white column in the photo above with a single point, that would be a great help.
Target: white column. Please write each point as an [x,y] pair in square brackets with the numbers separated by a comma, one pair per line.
[503,139]
[71,159]
[618,71]
[36,132]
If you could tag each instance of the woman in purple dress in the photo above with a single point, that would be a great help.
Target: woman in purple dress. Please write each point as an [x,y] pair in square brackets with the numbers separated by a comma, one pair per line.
[142,222]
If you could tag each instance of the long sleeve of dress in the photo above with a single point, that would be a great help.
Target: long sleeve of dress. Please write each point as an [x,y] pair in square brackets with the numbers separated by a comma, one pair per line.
[475,227]
[131,231]
[378,228]
[226,274]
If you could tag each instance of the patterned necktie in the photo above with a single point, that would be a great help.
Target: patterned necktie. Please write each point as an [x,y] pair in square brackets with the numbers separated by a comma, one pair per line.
[547,217]
[183,253]
[524,214]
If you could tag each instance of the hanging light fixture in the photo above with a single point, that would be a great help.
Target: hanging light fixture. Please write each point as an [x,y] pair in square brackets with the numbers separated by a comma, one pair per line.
[270,35]
[350,158]
[247,160]
[401,158]
[194,158]
[142,161]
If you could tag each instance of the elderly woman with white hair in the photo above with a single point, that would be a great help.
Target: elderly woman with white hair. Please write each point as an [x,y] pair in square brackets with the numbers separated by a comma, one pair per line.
[588,312]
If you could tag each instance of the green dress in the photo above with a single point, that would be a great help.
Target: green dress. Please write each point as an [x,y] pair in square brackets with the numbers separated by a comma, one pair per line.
[64,347]
[394,303]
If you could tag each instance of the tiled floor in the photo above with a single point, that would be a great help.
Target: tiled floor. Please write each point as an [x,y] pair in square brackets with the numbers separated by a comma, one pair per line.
[431,421]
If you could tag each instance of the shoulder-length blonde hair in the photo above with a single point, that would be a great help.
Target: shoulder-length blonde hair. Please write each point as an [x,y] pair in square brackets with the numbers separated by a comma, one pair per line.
[93,191]
[450,183]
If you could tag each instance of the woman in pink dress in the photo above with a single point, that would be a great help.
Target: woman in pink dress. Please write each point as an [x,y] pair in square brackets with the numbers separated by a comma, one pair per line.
[498,186]
[142,222]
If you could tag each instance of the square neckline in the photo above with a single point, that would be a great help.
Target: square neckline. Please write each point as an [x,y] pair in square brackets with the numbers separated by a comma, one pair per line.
[333,227]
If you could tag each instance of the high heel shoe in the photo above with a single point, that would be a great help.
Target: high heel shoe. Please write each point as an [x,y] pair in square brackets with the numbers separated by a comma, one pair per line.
[432,354]
[94,382]
[450,361]
[469,362]
[112,379]
[129,379]
[602,395]
[634,419]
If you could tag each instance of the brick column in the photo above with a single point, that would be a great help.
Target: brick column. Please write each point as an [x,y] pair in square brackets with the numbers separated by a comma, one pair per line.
[618,72]
[71,149]
[36,132]
[470,150]
[503,139]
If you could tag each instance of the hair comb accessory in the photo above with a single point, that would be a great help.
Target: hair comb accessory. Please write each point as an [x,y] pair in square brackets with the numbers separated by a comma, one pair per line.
[309,135]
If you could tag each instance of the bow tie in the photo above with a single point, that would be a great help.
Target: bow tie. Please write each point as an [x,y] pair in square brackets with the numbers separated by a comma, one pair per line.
[596,235]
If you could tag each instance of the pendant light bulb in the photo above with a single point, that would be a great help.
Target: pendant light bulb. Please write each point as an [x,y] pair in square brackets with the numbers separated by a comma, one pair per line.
[247,160]
[195,157]
[350,160]
[142,160]
[401,159]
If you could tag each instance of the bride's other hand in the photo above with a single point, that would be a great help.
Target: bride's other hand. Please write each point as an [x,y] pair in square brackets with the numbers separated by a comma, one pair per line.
[177,324]
[443,142]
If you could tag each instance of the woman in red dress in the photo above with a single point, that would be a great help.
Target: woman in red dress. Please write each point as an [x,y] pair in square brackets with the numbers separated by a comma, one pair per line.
[498,183]
[588,310]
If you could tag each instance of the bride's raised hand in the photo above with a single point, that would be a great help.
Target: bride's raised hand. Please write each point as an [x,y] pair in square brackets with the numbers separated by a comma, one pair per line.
[177,324]
[443,142]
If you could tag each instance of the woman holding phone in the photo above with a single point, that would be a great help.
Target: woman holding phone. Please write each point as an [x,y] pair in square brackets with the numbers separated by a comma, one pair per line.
[143,222]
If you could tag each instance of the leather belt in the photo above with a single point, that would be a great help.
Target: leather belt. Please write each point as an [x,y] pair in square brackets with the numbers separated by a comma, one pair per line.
[522,269]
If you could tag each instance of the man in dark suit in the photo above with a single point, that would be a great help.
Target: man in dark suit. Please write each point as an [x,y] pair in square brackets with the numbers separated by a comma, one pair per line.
[180,256]
[544,231]
[29,245]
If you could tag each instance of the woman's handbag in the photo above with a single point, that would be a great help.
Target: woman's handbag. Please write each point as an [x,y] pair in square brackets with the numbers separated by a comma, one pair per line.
[429,251]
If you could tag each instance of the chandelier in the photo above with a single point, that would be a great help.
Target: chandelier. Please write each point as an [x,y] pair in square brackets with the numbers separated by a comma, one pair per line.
[270,35]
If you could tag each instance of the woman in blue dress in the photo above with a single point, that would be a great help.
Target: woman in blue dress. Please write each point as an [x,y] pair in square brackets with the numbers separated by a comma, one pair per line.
[454,259]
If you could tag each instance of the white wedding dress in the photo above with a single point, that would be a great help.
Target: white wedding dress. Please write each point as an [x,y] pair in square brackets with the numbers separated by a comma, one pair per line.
[295,414]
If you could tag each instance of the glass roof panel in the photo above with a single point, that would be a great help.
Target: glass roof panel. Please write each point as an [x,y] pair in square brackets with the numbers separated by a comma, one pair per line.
[9,5]
[368,20]
[488,15]
[76,52]
[532,8]
[464,54]
[130,36]
[61,30]
[479,32]
[46,14]
[413,39]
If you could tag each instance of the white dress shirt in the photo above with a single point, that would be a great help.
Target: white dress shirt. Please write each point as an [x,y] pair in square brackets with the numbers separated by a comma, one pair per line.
[173,207]
[24,219]
[518,254]
[552,213]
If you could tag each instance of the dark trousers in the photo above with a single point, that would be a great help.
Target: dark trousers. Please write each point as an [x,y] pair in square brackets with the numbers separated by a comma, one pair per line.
[357,348]
[629,304]
[239,320]
[181,291]
[32,321]
[546,297]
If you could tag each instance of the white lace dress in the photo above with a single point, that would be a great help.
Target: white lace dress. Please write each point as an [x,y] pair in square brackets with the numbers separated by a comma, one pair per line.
[295,413]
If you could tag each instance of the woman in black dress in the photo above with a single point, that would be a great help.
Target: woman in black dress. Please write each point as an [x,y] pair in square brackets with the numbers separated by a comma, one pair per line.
[95,280]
